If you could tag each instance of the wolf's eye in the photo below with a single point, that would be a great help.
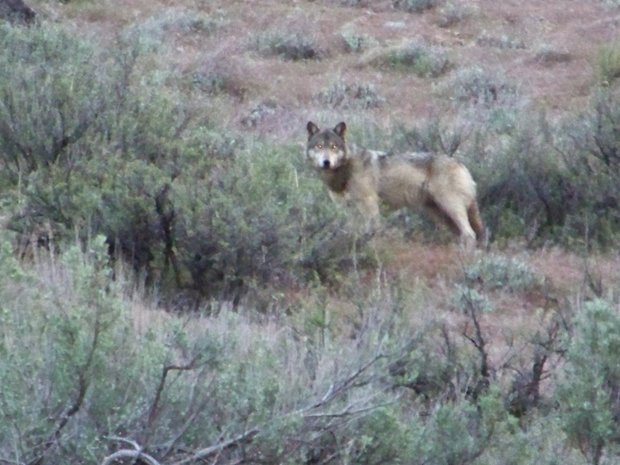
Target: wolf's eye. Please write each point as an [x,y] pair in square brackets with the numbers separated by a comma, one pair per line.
[319,146]
[333,147]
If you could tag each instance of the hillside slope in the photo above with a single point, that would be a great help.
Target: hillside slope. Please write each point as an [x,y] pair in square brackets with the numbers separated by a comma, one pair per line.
[546,51]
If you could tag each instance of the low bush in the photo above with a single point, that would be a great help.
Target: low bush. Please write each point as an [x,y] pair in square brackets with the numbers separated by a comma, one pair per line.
[253,222]
[476,86]
[357,43]
[501,42]
[415,6]
[590,381]
[413,57]
[351,96]
[500,272]
[49,100]
[453,13]
[419,58]
[293,46]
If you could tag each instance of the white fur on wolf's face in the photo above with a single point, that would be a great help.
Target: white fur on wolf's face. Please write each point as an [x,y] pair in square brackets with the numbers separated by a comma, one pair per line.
[326,150]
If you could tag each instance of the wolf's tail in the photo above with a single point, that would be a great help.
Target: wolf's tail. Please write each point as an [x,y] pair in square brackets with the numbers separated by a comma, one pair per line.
[473,214]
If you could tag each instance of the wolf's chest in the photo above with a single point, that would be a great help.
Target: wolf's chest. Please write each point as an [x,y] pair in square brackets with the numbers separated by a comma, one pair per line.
[338,180]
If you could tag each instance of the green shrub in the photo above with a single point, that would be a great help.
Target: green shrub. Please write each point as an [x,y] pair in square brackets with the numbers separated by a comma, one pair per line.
[293,46]
[50,95]
[108,173]
[347,96]
[466,297]
[537,182]
[180,201]
[501,42]
[254,222]
[590,381]
[67,358]
[418,58]
[452,13]
[479,87]
[415,6]
[501,272]
[592,157]
[433,136]
[177,21]
[85,366]
[525,189]
[88,365]
[355,42]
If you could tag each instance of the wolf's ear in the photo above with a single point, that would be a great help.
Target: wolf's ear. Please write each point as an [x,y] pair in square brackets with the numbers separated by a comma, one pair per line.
[312,129]
[340,129]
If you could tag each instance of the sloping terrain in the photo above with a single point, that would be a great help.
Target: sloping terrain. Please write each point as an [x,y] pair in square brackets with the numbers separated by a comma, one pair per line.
[264,68]
[545,50]
[178,288]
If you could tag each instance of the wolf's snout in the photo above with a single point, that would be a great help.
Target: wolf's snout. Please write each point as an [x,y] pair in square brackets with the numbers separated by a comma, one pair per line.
[326,164]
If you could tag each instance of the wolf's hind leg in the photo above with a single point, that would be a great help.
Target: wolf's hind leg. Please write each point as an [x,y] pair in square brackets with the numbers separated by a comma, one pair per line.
[454,214]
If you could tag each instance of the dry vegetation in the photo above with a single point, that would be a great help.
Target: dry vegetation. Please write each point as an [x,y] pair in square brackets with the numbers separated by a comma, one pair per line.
[179,289]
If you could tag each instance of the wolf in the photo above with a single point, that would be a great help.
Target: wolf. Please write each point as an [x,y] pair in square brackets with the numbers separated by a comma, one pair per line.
[438,184]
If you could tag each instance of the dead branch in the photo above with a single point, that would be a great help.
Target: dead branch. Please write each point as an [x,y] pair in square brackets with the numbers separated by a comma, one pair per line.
[479,343]
[348,411]
[126,454]
[135,454]
[10,462]
[335,391]
[154,410]
[207,452]
[196,410]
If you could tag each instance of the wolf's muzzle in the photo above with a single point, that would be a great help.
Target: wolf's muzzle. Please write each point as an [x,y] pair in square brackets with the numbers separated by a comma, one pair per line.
[326,164]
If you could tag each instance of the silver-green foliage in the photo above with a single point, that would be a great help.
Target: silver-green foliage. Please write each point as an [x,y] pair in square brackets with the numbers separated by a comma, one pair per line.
[589,382]
[50,94]
[496,271]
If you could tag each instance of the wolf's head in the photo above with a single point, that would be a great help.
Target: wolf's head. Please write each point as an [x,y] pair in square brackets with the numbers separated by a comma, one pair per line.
[326,148]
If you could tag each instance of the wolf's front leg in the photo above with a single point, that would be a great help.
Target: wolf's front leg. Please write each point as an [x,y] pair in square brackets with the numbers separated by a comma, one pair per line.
[369,209]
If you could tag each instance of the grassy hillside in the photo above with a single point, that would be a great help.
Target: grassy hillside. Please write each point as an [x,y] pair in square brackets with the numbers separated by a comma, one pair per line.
[178,288]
